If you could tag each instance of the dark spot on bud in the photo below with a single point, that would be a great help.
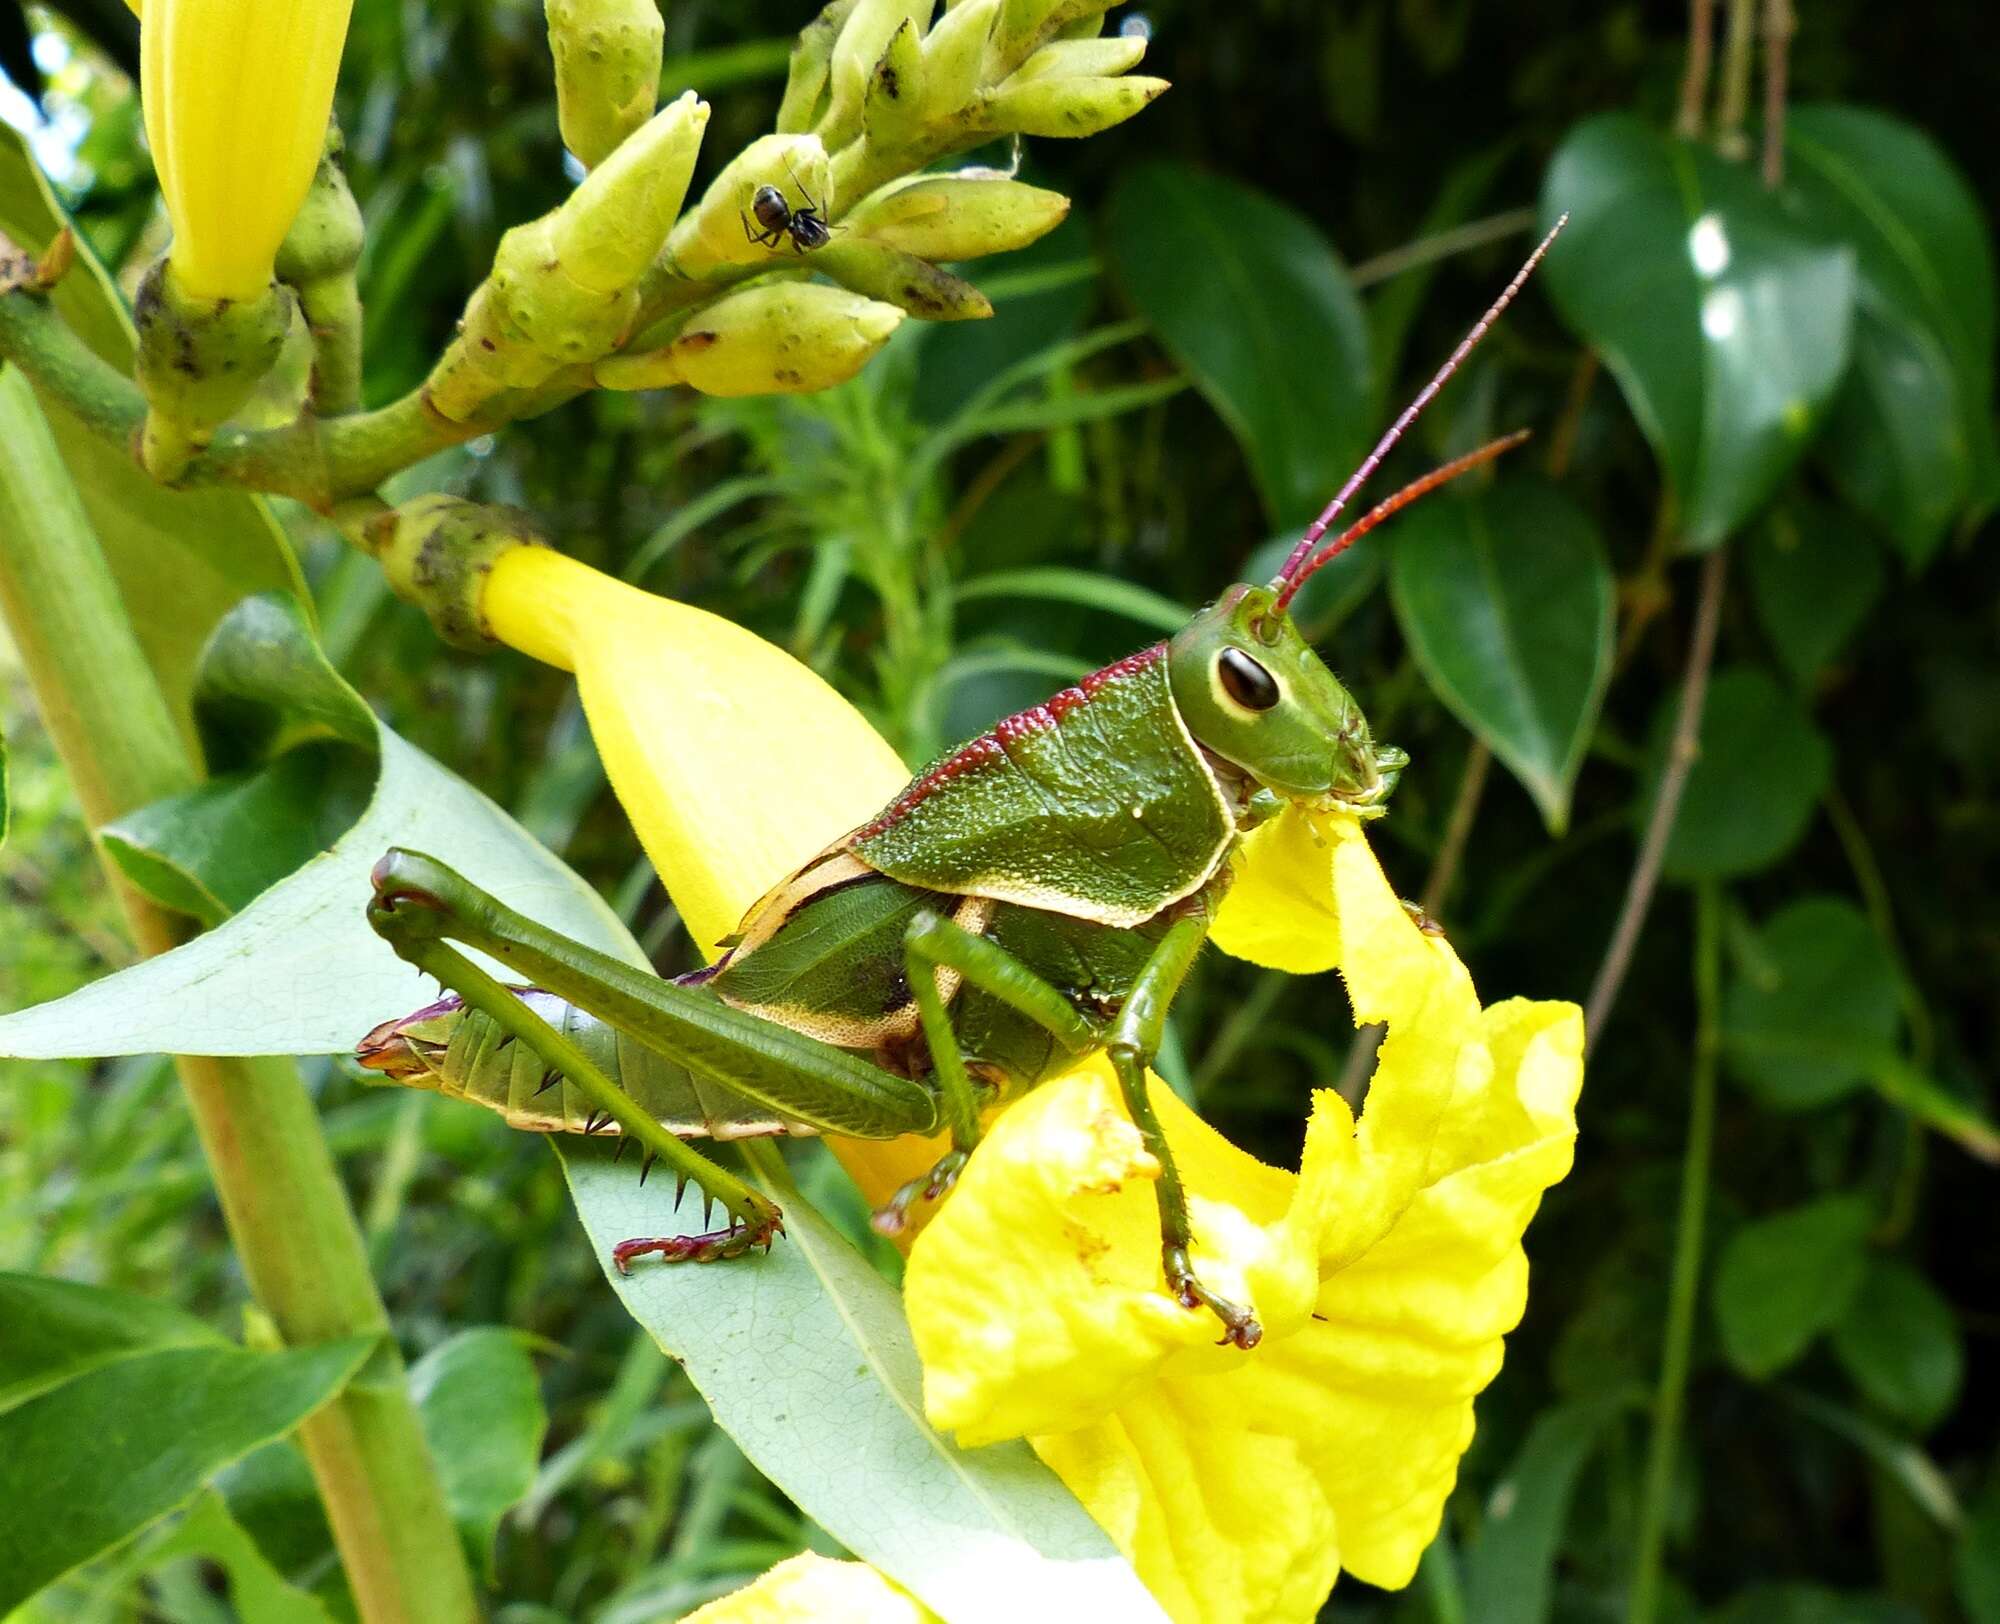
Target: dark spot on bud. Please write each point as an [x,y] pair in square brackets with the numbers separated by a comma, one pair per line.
[892,84]
[696,341]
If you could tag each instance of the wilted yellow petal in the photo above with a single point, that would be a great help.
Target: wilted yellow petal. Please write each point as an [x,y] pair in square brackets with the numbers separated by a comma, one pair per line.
[236,96]
[734,762]
[812,1589]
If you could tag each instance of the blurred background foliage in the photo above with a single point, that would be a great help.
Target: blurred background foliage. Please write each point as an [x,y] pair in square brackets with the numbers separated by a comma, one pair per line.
[1257,273]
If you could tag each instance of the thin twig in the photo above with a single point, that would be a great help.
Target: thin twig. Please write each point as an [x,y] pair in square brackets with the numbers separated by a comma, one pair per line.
[1700,55]
[1779,26]
[1562,440]
[1681,755]
[1733,104]
[1428,250]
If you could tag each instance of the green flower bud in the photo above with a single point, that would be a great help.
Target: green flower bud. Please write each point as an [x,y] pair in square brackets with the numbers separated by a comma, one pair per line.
[437,551]
[1026,24]
[805,84]
[777,338]
[318,259]
[894,110]
[611,230]
[944,217]
[912,284]
[713,234]
[955,54]
[870,27]
[607,71]
[198,361]
[1082,59]
[1068,107]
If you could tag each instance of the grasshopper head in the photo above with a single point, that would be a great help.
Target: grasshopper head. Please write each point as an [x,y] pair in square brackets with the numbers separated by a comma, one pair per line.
[1253,692]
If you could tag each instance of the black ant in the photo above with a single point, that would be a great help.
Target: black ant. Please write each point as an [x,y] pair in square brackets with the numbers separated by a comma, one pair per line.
[806,227]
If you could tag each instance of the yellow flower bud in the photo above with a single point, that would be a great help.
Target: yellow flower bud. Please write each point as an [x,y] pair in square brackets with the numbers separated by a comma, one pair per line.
[1082,59]
[236,96]
[612,228]
[813,1589]
[913,284]
[954,54]
[805,81]
[1068,107]
[893,105]
[940,217]
[1024,24]
[607,71]
[713,235]
[870,27]
[780,338]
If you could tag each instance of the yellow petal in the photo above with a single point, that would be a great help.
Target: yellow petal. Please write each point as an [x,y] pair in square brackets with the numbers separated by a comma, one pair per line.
[813,1589]
[734,762]
[236,95]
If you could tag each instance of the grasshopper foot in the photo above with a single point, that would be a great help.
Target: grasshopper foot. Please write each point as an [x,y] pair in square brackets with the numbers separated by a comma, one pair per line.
[933,1186]
[1239,1325]
[732,1240]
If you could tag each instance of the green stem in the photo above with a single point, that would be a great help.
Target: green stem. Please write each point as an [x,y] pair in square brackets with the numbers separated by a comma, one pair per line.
[1734,102]
[280,1191]
[1684,1284]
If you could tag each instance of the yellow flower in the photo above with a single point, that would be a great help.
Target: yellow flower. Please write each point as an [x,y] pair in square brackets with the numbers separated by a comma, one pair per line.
[1385,1272]
[236,96]
[809,1589]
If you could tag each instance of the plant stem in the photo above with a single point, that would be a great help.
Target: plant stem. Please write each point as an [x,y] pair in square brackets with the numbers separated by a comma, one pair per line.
[280,1192]
[1779,26]
[1681,753]
[1734,102]
[1684,1283]
[1700,55]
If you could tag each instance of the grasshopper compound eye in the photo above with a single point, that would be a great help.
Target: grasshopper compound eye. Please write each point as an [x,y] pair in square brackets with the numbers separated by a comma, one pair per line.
[1245,681]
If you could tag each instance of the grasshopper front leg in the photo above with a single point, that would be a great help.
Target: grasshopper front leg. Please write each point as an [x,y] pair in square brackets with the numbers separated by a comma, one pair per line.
[419,904]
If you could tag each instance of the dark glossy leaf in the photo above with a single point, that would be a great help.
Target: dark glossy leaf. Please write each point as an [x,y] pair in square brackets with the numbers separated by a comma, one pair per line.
[86,1465]
[1761,770]
[481,1406]
[1510,1571]
[1505,596]
[1726,326]
[1814,575]
[182,558]
[1912,436]
[1251,299]
[58,1329]
[1801,1026]
[1900,1343]
[1783,1280]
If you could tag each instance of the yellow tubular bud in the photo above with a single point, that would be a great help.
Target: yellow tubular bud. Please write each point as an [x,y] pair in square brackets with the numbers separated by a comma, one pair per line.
[1025,24]
[805,82]
[712,235]
[893,109]
[1082,59]
[943,217]
[607,71]
[814,1589]
[781,338]
[236,96]
[913,284]
[614,224]
[870,27]
[953,53]
[1069,107]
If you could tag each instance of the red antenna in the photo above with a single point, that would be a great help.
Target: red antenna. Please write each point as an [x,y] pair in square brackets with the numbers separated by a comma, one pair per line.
[1291,577]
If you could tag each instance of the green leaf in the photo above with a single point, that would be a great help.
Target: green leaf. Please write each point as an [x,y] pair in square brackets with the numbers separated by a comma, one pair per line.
[1784,1280]
[1761,769]
[182,558]
[58,1329]
[1814,575]
[1506,598]
[1252,301]
[1510,1571]
[1800,1028]
[1811,1604]
[1911,437]
[86,1465]
[1726,326]
[482,1413]
[1902,1462]
[1975,1567]
[1900,1343]
[258,1592]
[298,971]
[1058,584]
[812,1372]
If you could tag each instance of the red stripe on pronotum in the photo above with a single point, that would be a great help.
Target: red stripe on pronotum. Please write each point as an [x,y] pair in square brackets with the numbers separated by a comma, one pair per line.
[1294,572]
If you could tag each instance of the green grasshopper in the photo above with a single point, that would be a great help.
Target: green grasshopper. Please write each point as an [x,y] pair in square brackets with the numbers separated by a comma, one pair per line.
[1035,895]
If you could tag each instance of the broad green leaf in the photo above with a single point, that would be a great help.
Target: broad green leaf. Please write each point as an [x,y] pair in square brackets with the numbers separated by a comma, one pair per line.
[1761,769]
[258,1592]
[1726,326]
[1900,1343]
[55,1330]
[182,558]
[1975,1567]
[1784,1280]
[1801,1027]
[813,1374]
[1505,597]
[86,1465]
[1911,436]
[298,971]
[1814,575]
[482,1413]
[1058,584]
[1251,299]
[1510,1570]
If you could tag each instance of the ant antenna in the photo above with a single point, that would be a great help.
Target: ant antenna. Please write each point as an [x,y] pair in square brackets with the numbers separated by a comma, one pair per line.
[1288,577]
[1391,504]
